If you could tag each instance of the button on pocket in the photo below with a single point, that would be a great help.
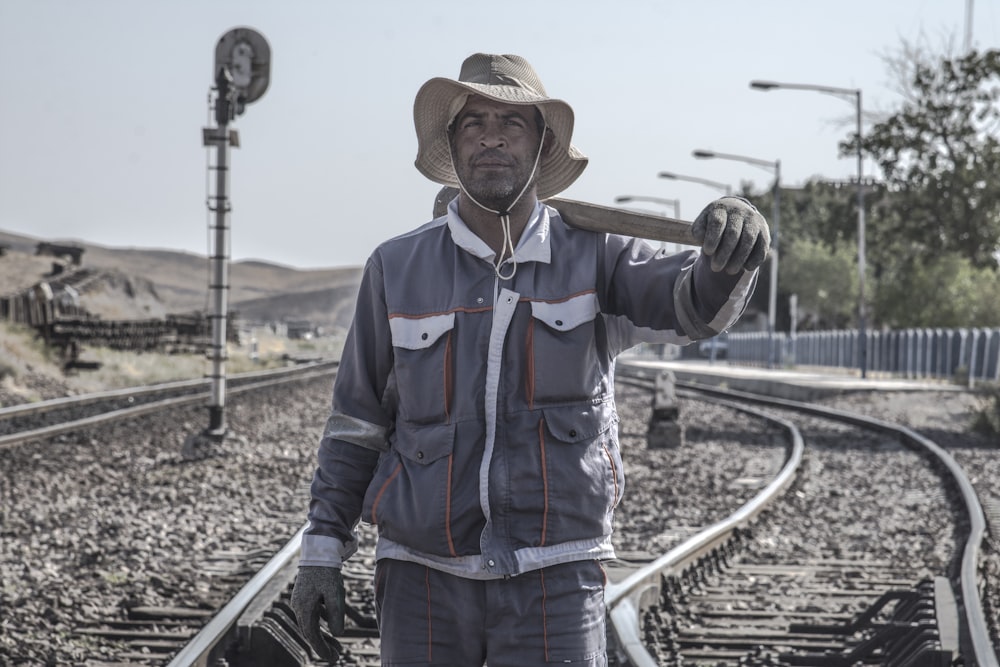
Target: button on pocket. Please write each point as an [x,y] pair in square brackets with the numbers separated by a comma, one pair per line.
[568,314]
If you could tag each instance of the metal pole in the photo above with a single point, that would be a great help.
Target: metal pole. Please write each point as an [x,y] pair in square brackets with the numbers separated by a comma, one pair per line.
[677,214]
[242,66]
[968,26]
[862,333]
[772,297]
[219,286]
[675,203]
[862,316]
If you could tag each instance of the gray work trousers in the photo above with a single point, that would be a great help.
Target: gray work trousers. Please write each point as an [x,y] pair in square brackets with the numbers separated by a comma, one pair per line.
[553,615]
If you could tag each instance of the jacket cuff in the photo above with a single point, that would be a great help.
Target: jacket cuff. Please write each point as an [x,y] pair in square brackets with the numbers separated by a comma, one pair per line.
[324,551]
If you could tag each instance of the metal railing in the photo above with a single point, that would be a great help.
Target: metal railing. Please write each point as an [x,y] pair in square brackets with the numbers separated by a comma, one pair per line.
[963,355]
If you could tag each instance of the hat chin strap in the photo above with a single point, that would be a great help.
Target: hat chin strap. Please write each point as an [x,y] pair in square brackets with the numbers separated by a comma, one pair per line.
[508,242]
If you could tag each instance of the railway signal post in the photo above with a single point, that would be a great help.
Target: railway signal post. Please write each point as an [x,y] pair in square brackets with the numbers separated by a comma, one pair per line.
[241,75]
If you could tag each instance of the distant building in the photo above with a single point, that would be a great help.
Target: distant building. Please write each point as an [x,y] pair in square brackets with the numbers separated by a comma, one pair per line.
[303,329]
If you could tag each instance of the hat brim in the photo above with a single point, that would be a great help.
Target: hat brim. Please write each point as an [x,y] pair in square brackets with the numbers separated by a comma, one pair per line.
[434,108]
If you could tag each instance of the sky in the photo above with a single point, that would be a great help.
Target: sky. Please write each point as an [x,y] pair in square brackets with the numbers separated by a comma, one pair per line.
[103,103]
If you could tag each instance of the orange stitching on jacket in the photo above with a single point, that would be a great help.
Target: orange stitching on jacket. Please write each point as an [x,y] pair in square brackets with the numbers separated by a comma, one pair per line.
[559,300]
[529,376]
[447,509]
[447,378]
[378,497]
[545,481]
[407,316]
[614,468]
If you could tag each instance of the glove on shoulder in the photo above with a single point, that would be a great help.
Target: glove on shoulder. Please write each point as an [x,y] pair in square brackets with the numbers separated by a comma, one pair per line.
[733,234]
[318,590]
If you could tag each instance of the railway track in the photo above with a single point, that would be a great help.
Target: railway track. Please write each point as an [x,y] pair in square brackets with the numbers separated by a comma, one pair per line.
[45,419]
[112,547]
[661,605]
[742,590]
[764,596]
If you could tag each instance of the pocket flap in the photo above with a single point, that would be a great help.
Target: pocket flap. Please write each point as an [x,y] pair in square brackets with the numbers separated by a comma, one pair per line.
[566,315]
[415,333]
[424,444]
[575,423]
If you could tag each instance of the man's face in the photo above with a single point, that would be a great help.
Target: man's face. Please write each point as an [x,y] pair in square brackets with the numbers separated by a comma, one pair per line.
[494,146]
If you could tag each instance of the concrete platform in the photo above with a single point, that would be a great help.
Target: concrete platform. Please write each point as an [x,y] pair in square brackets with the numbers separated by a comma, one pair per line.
[797,385]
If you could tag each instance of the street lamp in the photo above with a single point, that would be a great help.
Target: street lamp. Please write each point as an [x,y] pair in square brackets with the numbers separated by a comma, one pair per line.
[772,296]
[694,179]
[675,203]
[856,94]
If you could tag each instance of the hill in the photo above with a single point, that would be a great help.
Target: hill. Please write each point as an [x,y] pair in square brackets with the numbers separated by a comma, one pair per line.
[136,283]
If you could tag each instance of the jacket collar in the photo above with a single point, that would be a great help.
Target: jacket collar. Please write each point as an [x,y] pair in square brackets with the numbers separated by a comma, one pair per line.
[534,245]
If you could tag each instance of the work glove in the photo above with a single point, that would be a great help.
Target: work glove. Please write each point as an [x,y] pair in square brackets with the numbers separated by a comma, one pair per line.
[318,590]
[733,234]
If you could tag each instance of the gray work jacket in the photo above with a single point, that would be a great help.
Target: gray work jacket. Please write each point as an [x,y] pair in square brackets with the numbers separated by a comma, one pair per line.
[473,418]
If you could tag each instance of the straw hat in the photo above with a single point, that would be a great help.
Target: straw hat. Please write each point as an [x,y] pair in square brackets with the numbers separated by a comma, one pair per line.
[503,78]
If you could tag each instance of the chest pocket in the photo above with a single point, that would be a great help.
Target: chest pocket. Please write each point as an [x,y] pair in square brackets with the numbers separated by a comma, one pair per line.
[565,363]
[424,366]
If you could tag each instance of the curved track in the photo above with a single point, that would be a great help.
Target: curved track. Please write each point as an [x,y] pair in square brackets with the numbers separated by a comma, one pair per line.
[942,616]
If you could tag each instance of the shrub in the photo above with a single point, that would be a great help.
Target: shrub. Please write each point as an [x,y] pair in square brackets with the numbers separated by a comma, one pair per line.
[987,420]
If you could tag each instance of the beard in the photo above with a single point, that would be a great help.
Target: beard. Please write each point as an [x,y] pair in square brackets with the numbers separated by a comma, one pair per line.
[496,189]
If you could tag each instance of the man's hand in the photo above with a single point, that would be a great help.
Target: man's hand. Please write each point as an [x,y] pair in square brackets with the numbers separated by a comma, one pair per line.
[733,233]
[317,589]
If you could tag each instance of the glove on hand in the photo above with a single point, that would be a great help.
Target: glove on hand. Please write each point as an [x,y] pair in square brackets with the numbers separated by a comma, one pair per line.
[733,233]
[316,588]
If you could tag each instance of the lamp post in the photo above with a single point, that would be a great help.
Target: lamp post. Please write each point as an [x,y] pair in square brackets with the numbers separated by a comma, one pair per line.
[772,295]
[856,94]
[675,203]
[694,179]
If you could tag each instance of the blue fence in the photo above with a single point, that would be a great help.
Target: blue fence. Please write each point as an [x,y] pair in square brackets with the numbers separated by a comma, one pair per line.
[965,355]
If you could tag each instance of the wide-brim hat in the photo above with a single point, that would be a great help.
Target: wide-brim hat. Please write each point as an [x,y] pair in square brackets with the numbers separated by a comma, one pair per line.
[504,78]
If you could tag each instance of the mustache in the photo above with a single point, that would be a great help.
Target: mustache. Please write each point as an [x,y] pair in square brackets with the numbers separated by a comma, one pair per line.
[492,155]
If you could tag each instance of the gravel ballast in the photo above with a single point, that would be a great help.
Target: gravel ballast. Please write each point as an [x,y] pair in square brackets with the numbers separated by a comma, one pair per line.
[109,518]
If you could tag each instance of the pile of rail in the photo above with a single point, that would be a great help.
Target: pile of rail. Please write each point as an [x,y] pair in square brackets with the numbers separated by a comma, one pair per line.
[52,308]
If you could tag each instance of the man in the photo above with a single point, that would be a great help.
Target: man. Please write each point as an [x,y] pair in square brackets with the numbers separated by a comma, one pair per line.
[473,417]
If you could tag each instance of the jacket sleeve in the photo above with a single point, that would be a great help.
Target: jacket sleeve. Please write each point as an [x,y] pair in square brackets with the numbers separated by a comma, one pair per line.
[356,431]
[655,297]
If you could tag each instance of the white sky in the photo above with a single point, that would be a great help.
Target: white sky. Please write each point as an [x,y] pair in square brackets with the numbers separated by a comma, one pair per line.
[102,104]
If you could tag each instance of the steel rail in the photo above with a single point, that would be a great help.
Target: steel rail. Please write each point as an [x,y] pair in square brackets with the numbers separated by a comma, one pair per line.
[626,599]
[49,405]
[41,407]
[270,378]
[200,651]
[975,622]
